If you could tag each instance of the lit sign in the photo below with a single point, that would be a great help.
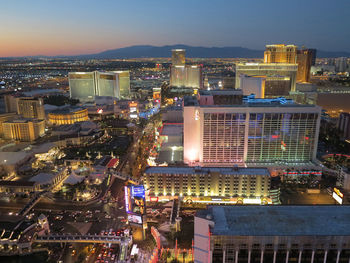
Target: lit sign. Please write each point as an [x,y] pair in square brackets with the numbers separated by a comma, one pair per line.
[340,194]
[100,111]
[138,191]
[126,195]
[337,198]
[135,219]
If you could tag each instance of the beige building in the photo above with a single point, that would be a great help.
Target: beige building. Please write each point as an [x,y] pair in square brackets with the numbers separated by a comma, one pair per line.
[27,107]
[68,115]
[280,77]
[10,103]
[208,184]
[6,117]
[23,129]
[31,108]
[280,54]
[178,57]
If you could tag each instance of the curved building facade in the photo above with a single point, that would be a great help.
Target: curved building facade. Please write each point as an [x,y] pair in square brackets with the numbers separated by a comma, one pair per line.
[69,115]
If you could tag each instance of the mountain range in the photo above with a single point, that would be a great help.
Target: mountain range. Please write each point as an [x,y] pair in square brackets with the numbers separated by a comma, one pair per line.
[148,51]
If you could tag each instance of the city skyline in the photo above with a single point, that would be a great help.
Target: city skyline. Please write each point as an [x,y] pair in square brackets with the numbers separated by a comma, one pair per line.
[69,28]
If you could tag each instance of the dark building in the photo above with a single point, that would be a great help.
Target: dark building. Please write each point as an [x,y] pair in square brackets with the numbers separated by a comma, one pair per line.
[305,59]
[344,124]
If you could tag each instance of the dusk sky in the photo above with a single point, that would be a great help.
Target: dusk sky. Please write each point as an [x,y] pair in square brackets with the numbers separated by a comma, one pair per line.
[68,27]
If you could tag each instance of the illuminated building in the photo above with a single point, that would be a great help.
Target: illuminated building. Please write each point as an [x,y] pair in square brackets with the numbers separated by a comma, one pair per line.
[189,76]
[272,234]
[253,85]
[178,57]
[68,115]
[23,129]
[10,103]
[305,59]
[280,54]
[124,84]
[31,108]
[182,75]
[280,77]
[343,124]
[341,64]
[261,131]
[27,107]
[86,85]
[220,97]
[208,184]
[6,117]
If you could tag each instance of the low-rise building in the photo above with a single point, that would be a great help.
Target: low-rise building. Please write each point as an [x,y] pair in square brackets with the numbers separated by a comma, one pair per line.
[23,129]
[68,115]
[272,234]
[209,184]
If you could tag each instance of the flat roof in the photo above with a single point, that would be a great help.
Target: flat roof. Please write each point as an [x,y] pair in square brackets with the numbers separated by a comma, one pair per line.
[18,183]
[67,110]
[206,170]
[279,220]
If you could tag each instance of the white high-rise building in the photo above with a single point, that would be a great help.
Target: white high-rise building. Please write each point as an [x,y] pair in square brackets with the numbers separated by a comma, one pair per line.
[260,131]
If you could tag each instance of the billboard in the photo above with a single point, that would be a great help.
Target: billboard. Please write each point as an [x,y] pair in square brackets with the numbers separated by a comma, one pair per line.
[135,219]
[135,203]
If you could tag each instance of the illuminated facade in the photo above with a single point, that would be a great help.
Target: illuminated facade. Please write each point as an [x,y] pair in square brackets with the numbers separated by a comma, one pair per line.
[259,131]
[178,57]
[280,77]
[280,54]
[275,234]
[86,85]
[6,117]
[186,76]
[305,59]
[31,108]
[23,129]
[253,85]
[68,115]
[182,75]
[230,185]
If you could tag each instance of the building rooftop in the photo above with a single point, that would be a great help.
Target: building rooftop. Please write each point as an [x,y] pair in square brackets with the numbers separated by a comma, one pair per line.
[18,183]
[226,92]
[206,170]
[278,220]
[67,110]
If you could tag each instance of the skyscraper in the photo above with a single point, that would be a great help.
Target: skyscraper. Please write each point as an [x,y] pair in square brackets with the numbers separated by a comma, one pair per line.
[305,59]
[31,108]
[27,107]
[178,57]
[82,85]
[182,75]
[280,54]
[86,85]
[260,131]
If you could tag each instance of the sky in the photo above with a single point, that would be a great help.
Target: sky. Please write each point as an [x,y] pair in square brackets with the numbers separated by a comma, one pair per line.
[72,27]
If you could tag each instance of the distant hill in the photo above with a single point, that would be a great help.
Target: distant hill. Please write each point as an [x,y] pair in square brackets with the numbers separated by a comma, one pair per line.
[147,51]
[193,52]
[165,51]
